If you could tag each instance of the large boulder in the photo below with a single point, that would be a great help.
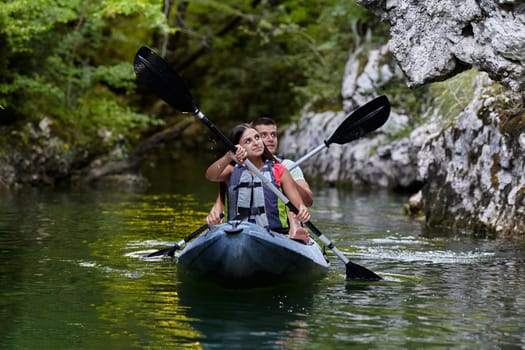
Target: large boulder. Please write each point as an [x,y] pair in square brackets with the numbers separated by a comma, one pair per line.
[435,39]
[474,170]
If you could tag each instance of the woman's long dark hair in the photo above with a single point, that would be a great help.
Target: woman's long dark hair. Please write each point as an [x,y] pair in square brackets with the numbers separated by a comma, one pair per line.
[236,134]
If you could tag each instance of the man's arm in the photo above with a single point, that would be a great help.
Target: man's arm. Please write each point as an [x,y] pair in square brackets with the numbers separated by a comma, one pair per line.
[302,186]
[305,192]
[214,216]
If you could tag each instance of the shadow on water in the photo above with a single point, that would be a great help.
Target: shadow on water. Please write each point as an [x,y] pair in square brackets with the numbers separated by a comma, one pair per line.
[259,318]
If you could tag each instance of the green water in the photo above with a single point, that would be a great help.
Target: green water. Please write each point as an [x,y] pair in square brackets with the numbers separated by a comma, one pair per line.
[72,276]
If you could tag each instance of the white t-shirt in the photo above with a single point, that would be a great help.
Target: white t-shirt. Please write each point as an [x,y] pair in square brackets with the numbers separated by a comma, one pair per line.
[296,173]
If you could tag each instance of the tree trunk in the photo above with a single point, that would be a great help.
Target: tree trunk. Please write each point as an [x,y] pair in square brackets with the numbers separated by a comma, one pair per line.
[135,158]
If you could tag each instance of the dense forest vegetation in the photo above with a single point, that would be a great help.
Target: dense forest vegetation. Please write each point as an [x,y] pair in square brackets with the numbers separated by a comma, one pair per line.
[70,61]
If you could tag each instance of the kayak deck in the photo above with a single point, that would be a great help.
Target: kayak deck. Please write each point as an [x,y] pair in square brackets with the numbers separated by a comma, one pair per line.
[247,255]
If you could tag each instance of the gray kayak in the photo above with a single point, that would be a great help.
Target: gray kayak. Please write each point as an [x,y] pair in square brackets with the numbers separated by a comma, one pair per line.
[242,254]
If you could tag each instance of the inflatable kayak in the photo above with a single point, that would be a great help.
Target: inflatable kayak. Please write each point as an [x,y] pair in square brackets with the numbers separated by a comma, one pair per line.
[242,254]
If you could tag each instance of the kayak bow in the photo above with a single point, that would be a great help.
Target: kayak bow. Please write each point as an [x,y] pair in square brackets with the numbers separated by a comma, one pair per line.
[242,254]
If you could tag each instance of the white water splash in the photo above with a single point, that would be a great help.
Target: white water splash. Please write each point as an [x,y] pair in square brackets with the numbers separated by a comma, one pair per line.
[432,256]
[107,269]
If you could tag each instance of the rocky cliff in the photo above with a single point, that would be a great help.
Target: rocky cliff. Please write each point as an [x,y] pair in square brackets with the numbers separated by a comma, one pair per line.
[435,39]
[468,162]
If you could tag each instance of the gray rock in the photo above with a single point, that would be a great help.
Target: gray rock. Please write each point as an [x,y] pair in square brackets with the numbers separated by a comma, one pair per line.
[474,170]
[370,161]
[433,40]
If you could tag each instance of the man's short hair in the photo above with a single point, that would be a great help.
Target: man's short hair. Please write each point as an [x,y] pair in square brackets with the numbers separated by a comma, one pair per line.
[263,121]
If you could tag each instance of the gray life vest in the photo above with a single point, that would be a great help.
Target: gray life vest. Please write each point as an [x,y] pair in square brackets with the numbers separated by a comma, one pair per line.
[248,197]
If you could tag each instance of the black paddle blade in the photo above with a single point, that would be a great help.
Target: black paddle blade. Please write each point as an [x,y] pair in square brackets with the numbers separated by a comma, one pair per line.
[358,272]
[156,75]
[366,118]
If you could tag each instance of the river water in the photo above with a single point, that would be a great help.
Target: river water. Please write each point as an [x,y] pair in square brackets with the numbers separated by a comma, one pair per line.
[73,276]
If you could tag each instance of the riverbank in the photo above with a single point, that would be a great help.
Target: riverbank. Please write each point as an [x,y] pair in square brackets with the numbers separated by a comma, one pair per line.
[38,156]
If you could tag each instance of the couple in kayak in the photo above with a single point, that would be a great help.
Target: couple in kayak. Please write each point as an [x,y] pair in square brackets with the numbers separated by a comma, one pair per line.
[247,196]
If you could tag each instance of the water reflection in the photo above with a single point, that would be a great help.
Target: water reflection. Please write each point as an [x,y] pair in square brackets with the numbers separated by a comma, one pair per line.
[267,318]
[72,276]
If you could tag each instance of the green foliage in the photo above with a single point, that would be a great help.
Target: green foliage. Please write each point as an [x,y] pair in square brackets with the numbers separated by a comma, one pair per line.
[71,60]
[280,56]
[448,98]
[453,95]
[59,62]
[24,20]
[94,114]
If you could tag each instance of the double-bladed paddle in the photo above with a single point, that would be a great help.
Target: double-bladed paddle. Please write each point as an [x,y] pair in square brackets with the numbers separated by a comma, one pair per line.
[366,118]
[154,73]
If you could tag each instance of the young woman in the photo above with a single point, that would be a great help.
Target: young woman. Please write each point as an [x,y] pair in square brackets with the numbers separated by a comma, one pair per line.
[247,195]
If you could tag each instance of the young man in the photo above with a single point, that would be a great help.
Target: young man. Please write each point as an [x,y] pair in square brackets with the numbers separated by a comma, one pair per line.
[267,128]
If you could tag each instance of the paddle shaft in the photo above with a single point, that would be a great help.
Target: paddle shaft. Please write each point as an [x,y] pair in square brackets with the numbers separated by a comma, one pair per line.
[171,250]
[308,156]
[191,236]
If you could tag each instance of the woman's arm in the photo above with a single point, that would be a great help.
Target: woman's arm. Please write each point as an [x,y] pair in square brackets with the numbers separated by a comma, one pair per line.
[290,189]
[222,168]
